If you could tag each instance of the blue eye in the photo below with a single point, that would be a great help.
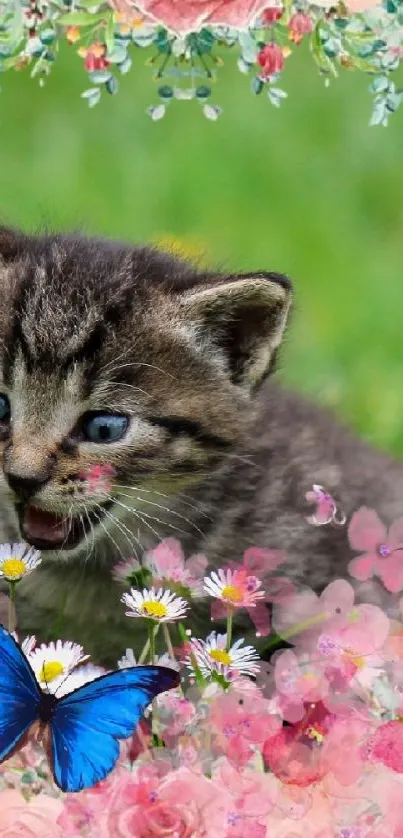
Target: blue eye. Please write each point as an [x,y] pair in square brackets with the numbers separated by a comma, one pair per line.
[4,408]
[105,428]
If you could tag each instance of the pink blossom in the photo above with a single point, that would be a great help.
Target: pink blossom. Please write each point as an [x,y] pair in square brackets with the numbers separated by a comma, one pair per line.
[327,511]
[239,722]
[387,746]
[183,16]
[382,549]
[300,24]
[259,563]
[183,803]
[35,819]
[305,617]
[167,563]
[271,60]
[298,680]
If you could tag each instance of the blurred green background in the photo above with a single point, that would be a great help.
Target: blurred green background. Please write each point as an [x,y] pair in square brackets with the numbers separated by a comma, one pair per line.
[309,190]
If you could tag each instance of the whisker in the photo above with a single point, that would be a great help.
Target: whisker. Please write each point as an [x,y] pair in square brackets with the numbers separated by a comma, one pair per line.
[121,527]
[150,517]
[134,364]
[108,534]
[177,496]
[164,509]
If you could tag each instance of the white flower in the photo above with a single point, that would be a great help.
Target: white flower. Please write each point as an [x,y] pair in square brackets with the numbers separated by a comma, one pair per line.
[211,655]
[80,676]
[234,587]
[17,560]
[161,606]
[129,659]
[53,662]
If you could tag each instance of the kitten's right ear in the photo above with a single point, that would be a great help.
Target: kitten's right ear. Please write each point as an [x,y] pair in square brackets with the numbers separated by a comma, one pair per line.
[11,243]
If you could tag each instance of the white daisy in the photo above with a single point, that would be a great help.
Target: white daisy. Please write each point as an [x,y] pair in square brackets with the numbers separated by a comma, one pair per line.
[161,606]
[234,587]
[53,662]
[80,676]
[17,560]
[211,655]
[129,659]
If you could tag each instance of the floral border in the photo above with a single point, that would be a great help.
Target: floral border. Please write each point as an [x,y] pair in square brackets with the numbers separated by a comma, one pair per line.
[185,64]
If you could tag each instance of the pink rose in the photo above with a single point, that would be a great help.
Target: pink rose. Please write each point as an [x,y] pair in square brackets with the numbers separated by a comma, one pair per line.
[184,16]
[36,819]
[182,804]
[271,60]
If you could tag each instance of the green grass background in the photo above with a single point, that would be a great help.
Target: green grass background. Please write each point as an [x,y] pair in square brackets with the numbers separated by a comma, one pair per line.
[309,190]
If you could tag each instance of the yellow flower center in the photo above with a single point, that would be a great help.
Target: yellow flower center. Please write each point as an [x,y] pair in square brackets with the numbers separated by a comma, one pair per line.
[14,568]
[232,593]
[155,610]
[315,734]
[50,671]
[221,656]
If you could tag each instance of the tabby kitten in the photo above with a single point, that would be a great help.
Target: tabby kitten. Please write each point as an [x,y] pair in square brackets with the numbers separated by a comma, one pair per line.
[124,356]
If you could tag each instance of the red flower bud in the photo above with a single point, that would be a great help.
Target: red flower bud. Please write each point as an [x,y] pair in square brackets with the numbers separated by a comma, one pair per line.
[271,60]
[271,14]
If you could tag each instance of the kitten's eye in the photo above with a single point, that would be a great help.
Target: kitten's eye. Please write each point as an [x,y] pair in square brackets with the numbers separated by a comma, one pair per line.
[104,427]
[5,411]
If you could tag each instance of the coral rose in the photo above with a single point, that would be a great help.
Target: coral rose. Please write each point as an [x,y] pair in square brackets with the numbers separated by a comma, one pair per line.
[183,16]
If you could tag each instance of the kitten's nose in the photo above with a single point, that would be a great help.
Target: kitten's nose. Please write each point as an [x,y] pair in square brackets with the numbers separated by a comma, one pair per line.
[25,485]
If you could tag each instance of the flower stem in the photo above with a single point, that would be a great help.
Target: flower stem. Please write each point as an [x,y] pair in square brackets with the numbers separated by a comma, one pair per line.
[167,638]
[306,624]
[12,617]
[151,640]
[230,618]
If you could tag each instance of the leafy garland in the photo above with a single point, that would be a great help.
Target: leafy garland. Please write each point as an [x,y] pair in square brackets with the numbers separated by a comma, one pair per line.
[185,64]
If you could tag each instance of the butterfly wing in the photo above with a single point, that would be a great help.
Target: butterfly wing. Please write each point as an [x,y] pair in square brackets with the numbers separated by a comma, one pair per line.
[87,723]
[20,695]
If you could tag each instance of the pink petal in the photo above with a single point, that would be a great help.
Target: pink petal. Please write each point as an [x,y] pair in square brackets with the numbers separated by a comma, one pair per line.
[395,534]
[339,594]
[261,561]
[363,567]
[260,617]
[366,530]
[365,634]
[218,610]
[196,565]
[391,572]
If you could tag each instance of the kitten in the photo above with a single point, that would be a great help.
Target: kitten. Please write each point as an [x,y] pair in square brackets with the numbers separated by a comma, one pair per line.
[124,356]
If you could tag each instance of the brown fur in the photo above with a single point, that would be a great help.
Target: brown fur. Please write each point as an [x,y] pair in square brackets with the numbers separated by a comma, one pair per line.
[215,454]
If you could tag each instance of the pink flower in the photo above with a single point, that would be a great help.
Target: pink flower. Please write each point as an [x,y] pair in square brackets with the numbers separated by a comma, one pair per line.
[36,819]
[298,680]
[332,616]
[327,511]
[183,803]
[382,549]
[235,588]
[271,60]
[259,563]
[167,563]
[239,722]
[387,746]
[183,16]
[300,24]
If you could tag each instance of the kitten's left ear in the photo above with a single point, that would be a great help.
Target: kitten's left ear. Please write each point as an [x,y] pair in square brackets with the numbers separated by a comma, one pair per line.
[246,316]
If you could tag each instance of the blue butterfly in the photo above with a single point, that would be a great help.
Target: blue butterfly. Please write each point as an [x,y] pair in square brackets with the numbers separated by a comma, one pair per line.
[85,725]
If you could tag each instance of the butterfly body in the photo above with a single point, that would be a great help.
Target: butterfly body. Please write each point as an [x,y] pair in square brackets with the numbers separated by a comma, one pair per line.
[82,729]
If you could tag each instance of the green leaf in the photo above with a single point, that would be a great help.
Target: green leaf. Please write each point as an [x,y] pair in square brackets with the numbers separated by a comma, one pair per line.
[100,76]
[81,18]
[110,34]
[112,85]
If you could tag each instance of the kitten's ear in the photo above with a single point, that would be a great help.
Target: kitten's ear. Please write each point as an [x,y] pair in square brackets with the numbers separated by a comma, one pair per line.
[11,243]
[246,316]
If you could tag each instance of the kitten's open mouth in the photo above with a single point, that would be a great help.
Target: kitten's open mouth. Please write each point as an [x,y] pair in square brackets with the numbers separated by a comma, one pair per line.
[50,531]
